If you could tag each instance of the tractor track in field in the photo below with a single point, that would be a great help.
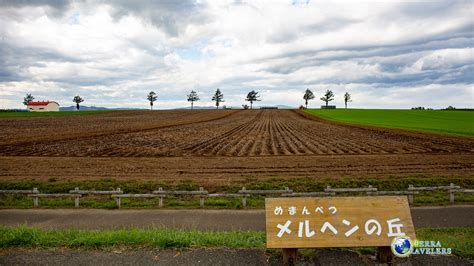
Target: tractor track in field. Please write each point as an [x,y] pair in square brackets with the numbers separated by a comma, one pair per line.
[178,121]
[244,133]
[211,171]
[284,133]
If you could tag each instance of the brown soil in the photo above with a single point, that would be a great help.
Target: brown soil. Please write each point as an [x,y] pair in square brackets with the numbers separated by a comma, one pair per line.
[214,133]
[218,144]
[209,171]
[55,128]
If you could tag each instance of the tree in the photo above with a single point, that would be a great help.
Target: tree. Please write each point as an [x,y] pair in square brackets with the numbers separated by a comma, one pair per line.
[347,98]
[252,97]
[152,97]
[308,95]
[28,98]
[218,97]
[193,97]
[77,99]
[328,96]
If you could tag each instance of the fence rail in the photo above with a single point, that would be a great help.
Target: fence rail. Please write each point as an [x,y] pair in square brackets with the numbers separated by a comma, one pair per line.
[244,193]
[16,191]
[96,192]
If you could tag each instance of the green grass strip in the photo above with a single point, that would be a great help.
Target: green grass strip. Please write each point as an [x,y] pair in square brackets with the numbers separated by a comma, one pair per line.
[46,114]
[461,240]
[300,184]
[460,123]
[24,236]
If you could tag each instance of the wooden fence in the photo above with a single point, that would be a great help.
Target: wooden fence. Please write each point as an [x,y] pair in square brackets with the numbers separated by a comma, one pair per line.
[244,193]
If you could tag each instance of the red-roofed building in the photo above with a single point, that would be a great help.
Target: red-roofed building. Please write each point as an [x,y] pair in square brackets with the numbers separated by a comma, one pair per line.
[44,106]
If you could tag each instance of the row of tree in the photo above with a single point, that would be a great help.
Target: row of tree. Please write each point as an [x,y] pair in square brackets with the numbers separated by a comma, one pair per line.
[328,96]
[218,98]
[29,98]
[252,97]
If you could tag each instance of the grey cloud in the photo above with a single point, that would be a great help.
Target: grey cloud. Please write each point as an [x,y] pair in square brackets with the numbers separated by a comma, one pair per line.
[393,62]
[56,4]
[53,8]
[170,16]
[455,38]
[458,75]
[425,9]
[391,59]
[110,76]
[15,60]
[314,28]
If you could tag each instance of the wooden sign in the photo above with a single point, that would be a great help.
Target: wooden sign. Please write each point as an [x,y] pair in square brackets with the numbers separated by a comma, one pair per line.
[337,221]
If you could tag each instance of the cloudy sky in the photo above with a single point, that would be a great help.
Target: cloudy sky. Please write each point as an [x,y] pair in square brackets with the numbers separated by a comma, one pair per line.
[391,54]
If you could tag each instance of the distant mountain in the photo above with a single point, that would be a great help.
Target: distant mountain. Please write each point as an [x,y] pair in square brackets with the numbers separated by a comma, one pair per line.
[237,107]
[93,108]
[198,107]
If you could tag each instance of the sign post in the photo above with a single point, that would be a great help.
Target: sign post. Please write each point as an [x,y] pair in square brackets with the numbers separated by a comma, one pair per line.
[293,223]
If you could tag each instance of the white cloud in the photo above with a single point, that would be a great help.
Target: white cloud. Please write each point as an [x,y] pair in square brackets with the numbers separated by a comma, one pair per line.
[388,54]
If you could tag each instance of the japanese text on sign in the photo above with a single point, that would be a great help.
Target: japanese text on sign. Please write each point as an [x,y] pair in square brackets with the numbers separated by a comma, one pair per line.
[336,222]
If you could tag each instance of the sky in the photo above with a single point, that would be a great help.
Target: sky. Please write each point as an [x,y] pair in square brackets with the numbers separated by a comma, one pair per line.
[386,54]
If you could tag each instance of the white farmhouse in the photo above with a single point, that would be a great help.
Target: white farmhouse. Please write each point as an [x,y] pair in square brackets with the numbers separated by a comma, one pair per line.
[43,106]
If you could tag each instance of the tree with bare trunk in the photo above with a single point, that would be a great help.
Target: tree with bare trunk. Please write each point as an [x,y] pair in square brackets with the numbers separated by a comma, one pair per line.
[193,97]
[308,95]
[152,97]
[328,96]
[77,99]
[218,98]
[252,97]
[347,98]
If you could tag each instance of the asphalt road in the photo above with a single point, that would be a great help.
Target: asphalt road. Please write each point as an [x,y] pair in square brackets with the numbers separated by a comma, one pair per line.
[445,216]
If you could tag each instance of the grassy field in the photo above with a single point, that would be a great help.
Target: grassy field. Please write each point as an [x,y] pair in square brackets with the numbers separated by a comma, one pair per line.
[461,240]
[42,114]
[437,121]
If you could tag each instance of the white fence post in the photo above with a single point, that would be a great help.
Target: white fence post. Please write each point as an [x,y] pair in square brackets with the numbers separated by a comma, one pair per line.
[451,193]
[201,199]
[244,199]
[160,201]
[35,199]
[328,189]
[118,200]
[76,199]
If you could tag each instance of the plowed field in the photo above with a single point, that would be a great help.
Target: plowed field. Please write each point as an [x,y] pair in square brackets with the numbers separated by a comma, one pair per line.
[239,138]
